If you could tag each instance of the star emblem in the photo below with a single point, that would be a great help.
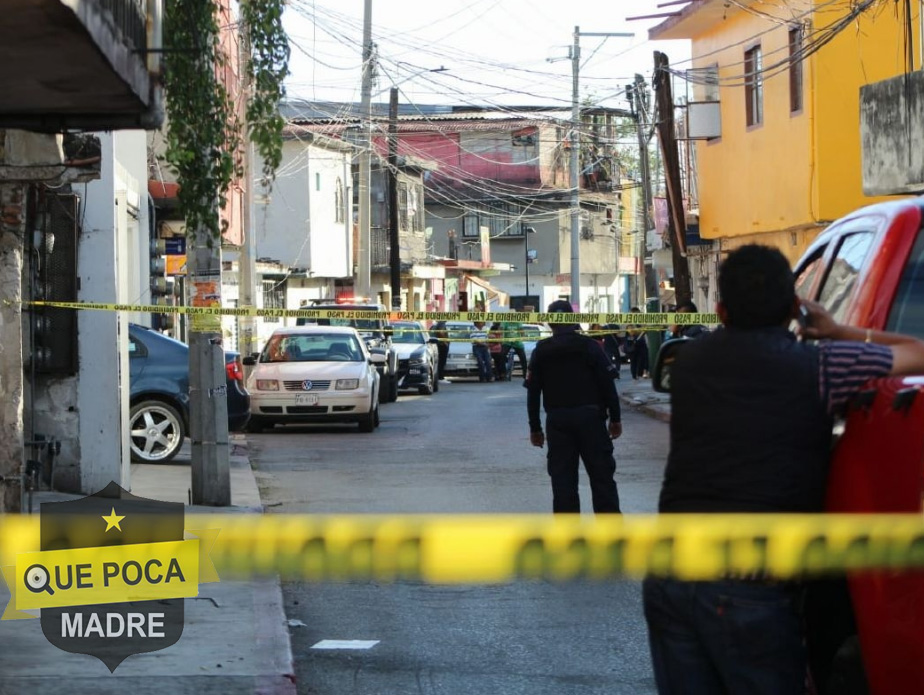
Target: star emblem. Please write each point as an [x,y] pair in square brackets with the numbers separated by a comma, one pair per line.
[113,520]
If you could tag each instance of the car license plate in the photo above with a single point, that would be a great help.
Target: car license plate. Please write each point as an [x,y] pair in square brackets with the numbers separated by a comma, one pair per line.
[306,399]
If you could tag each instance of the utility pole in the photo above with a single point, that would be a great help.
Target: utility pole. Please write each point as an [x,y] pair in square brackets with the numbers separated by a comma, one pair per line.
[576,160]
[248,253]
[363,283]
[575,174]
[671,157]
[393,236]
[526,264]
[208,391]
[247,260]
[208,394]
[638,99]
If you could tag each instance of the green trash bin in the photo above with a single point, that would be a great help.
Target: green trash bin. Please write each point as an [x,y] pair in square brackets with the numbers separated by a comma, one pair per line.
[656,337]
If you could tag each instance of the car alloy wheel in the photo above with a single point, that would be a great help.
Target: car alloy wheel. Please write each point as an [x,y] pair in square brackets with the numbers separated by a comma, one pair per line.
[427,388]
[156,432]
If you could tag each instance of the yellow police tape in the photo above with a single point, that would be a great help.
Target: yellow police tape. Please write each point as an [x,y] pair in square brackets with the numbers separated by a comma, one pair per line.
[503,548]
[634,319]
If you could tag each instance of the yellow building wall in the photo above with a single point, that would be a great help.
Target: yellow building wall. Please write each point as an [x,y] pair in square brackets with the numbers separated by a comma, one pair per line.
[868,51]
[753,179]
[782,181]
[629,222]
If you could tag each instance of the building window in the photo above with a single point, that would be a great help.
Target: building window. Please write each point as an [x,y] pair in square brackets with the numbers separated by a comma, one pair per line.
[402,207]
[338,201]
[795,68]
[470,225]
[274,297]
[753,86]
[317,182]
[502,220]
[415,209]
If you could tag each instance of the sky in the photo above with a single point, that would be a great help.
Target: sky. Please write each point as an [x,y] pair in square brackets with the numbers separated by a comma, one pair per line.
[495,52]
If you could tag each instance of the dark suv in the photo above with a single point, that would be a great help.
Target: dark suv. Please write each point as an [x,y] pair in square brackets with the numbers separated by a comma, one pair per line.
[377,334]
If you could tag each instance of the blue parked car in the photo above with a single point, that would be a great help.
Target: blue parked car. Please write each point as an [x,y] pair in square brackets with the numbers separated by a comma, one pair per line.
[159,394]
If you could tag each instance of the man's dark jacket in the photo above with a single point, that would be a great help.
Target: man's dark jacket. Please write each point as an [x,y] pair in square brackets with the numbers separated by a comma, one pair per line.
[749,432]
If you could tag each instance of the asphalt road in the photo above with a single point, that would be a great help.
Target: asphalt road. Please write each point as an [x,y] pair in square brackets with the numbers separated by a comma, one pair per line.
[464,450]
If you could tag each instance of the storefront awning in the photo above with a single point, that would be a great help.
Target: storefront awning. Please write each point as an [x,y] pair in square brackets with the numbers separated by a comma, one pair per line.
[494,297]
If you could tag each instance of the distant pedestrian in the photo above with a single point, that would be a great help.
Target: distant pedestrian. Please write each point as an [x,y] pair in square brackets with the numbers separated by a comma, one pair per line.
[513,341]
[637,349]
[612,346]
[596,332]
[498,354]
[687,331]
[482,354]
[442,348]
[572,377]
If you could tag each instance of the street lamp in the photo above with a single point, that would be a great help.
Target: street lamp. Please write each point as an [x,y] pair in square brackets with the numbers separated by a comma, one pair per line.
[526,232]
[398,83]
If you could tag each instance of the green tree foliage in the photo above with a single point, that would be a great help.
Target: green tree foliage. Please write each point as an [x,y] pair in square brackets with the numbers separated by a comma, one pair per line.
[269,65]
[204,127]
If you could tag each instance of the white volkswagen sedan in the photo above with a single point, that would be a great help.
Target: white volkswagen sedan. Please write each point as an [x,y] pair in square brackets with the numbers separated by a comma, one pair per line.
[313,374]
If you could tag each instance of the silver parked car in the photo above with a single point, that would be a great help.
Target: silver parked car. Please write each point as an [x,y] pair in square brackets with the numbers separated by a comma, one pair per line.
[461,360]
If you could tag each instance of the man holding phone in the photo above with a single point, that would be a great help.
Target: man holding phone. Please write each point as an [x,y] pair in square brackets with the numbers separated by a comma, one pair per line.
[750,431]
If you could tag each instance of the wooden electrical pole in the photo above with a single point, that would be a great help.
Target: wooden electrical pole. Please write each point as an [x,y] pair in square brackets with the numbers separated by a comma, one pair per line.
[671,157]
[638,99]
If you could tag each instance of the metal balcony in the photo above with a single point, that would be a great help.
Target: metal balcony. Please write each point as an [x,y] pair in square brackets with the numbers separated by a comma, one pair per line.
[80,64]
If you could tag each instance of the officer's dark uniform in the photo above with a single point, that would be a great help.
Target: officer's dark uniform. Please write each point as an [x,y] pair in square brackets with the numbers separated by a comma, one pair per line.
[575,379]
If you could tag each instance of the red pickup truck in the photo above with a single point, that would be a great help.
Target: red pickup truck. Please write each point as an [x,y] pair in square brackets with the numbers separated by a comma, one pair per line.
[867,269]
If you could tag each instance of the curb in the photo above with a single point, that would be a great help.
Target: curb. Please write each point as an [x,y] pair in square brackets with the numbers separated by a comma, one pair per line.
[653,411]
[273,640]
[270,627]
[657,412]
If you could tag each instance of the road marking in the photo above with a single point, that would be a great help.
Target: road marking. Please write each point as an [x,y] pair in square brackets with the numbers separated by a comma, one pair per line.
[346,644]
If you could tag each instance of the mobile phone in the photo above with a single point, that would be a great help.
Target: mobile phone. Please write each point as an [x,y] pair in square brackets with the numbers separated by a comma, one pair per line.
[805,319]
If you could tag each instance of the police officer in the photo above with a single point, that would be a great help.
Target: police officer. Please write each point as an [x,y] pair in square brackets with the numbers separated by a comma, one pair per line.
[575,380]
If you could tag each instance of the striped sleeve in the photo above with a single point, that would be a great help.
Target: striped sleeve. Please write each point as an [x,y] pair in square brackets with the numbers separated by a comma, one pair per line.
[846,366]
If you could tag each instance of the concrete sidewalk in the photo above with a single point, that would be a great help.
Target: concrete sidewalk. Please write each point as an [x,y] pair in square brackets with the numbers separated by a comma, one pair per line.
[235,638]
[638,395]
